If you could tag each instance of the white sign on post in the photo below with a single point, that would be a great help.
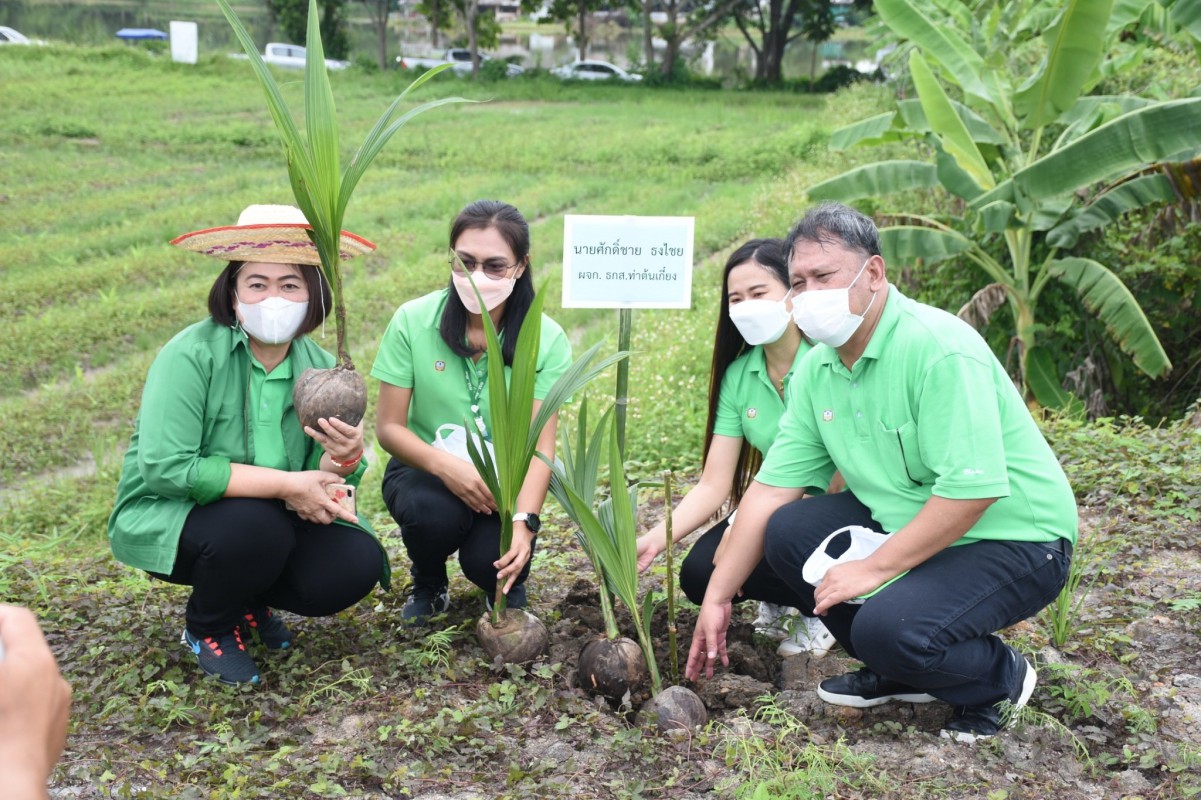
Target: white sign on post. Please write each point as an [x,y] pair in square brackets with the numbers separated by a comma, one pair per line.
[627,262]
[184,42]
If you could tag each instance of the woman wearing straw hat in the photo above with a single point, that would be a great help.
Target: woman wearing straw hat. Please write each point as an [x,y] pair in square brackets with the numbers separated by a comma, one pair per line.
[433,372]
[221,489]
[755,349]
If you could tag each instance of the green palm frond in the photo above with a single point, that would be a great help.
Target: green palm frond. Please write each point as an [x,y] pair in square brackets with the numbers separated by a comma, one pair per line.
[322,190]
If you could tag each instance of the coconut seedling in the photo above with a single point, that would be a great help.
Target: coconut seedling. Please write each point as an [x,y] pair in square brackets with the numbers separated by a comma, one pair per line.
[611,665]
[517,636]
[322,190]
[611,529]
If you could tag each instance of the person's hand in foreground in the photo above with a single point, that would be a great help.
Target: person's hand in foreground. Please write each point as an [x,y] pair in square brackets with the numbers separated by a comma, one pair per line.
[34,703]
[709,639]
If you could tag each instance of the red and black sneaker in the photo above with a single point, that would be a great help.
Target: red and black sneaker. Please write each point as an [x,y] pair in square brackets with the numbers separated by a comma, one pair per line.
[223,657]
[271,630]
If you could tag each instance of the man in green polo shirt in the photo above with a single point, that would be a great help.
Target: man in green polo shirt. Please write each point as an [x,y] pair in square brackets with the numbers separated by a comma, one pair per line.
[939,452]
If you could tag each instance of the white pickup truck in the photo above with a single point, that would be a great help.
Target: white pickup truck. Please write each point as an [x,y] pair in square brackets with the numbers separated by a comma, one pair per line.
[459,56]
[290,56]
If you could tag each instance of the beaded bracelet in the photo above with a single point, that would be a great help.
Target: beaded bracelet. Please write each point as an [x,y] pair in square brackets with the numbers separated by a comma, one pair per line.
[343,465]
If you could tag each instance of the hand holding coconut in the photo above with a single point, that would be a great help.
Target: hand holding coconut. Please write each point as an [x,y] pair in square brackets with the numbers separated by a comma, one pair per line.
[219,443]
[513,562]
[342,443]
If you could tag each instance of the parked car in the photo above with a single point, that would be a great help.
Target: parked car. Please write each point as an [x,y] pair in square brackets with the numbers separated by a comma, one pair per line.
[290,56]
[13,36]
[460,57]
[589,70]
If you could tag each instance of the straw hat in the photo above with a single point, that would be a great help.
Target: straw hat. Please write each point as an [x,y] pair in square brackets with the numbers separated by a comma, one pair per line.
[274,234]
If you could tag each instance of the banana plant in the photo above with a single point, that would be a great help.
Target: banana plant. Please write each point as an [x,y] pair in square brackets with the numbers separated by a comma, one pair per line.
[1032,159]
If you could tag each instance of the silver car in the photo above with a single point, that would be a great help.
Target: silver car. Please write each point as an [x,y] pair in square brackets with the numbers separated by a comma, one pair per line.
[590,70]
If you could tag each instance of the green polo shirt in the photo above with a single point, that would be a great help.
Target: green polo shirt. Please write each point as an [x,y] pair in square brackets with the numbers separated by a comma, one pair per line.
[413,356]
[269,394]
[748,406]
[926,410]
[196,420]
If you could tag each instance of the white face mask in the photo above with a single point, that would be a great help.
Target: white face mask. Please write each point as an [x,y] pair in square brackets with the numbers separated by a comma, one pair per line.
[273,320]
[494,292]
[824,315]
[760,321]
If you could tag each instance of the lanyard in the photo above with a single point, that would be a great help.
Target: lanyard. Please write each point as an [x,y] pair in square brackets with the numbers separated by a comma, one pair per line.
[475,388]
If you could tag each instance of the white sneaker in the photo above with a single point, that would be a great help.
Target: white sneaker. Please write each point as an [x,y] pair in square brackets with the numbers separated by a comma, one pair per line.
[771,620]
[811,636]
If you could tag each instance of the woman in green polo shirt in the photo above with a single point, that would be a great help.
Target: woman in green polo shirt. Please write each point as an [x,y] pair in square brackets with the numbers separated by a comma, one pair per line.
[754,351]
[221,488]
[433,372]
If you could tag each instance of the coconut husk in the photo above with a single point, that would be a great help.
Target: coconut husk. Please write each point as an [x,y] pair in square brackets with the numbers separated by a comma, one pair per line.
[519,639]
[675,709]
[611,668]
[326,393]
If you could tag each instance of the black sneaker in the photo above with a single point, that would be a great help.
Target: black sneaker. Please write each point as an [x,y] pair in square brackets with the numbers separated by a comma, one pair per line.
[970,724]
[517,598]
[223,657]
[272,631]
[425,600]
[865,689]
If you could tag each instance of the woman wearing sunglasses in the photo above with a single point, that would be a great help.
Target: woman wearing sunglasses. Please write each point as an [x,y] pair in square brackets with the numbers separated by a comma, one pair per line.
[433,393]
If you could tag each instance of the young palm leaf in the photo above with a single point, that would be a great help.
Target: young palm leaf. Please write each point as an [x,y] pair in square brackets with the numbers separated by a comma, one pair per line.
[611,530]
[581,466]
[514,435]
[322,191]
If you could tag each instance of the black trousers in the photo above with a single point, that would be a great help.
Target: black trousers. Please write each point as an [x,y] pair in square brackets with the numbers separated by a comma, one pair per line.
[762,584]
[934,628]
[434,523]
[240,553]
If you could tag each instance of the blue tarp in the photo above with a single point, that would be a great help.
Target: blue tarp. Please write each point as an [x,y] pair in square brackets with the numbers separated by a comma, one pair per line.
[140,33]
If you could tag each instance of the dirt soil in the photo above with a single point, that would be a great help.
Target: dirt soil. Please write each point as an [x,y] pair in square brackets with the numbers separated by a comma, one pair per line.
[366,708]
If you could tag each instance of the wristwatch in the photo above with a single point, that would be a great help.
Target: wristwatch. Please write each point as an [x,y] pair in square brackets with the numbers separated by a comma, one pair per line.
[531,521]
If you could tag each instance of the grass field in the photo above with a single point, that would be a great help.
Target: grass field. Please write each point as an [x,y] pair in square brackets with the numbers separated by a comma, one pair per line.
[107,154]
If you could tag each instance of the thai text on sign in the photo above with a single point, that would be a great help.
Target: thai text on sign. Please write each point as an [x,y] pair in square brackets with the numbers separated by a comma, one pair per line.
[627,261]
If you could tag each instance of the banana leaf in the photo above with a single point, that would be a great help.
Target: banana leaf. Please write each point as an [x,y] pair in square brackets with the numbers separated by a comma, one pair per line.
[1074,48]
[1104,294]
[946,124]
[1185,14]
[1044,383]
[978,129]
[1111,206]
[916,21]
[873,180]
[870,131]
[1140,137]
[903,244]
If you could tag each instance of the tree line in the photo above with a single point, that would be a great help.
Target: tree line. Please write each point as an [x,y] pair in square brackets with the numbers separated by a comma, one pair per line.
[769,26]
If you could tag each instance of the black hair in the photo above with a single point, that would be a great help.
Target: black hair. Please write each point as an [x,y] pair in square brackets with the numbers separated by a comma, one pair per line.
[835,224]
[728,345]
[481,215]
[222,296]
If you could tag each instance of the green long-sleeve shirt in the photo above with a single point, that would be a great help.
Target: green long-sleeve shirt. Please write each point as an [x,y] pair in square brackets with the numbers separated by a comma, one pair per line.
[195,422]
